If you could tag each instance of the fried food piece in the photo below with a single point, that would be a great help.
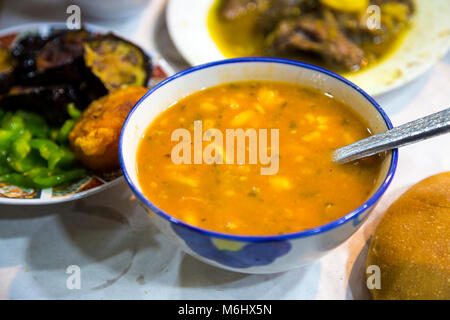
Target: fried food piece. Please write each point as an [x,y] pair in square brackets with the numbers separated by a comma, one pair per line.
[411,245]
[117,62]
[95,137]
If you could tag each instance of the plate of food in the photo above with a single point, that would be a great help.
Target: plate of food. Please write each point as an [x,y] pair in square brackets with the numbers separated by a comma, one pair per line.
[255,213]
[377,44]
[64,95]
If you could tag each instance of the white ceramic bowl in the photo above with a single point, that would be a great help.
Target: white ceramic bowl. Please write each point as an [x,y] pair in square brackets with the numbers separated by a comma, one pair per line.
[250,254]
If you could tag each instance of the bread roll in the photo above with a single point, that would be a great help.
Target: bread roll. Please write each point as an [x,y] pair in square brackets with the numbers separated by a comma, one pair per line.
[412,242]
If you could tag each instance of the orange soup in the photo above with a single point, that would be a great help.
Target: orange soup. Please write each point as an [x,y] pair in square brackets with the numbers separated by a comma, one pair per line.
[305,189]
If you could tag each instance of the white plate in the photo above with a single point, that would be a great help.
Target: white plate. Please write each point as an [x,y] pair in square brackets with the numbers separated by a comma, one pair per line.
[426,42]
[83,187]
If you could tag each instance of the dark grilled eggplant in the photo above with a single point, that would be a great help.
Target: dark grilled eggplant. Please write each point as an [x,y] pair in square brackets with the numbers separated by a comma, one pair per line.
[117,62]
[50,72]
[7,65]
[51,101]
[90,88]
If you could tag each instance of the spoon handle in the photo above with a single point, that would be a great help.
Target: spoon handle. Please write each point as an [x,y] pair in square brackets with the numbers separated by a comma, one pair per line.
[414,131]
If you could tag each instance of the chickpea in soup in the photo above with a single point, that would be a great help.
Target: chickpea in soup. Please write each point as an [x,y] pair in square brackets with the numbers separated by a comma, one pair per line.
[305,190]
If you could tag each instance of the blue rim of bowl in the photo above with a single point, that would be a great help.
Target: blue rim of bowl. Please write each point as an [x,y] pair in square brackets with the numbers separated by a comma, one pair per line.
[305,233]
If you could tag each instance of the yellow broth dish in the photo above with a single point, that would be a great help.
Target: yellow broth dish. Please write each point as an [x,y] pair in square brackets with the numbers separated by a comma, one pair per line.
[343,36]
[233,195]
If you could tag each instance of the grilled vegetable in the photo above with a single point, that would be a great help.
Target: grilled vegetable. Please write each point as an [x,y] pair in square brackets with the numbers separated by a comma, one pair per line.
[45,84]
[7,64]
[330,33]
[57,60]
[41,178]
[34,123]
[117,62]
[347,5]
[29,157]
[25,54]
[55,155]
[44,74]
[50,60]
[61,59]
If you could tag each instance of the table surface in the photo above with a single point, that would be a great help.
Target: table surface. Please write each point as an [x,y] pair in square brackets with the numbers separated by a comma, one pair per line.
[121,255]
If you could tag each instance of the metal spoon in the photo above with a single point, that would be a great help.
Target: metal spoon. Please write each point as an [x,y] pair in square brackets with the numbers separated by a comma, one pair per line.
[414,131]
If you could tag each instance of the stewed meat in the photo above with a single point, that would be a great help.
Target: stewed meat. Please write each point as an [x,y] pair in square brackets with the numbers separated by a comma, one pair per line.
[322,37]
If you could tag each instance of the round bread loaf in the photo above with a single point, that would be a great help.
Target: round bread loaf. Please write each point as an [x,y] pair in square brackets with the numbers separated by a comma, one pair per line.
[412,242]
